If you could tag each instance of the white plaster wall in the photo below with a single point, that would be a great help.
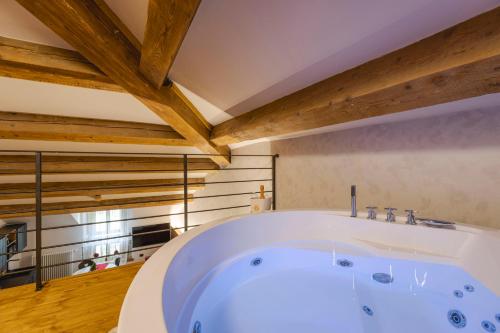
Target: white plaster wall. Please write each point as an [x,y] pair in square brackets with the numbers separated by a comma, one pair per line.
[445,167]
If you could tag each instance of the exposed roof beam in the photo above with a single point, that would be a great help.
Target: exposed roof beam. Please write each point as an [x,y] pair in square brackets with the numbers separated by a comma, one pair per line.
[97,188]
[55,208]
[70,164]
[457,63]
[36,62]
[168,23]
[29,126]
[84,25]
[109,14]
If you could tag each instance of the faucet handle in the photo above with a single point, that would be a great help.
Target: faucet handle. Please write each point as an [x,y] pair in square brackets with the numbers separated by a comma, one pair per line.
[410,216]
[390,214]
[372,212]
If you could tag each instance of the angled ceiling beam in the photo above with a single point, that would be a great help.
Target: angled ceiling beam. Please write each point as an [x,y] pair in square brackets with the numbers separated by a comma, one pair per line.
[29,126]
[122,28]
[71,164]
[36,62]
[84,25]
[9,191]
[167,25]
[457,63]
[69,207]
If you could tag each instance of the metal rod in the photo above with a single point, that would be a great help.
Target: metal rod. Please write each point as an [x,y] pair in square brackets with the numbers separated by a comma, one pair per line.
[107,255]
[16,272]
[227,195]
[193,225]
[138,186]
[234,181]
[138,171]
[275,156]
[215,209]
[30,210]
[104,239]
[38,204]
[185,192]
[124,153]
[89,241]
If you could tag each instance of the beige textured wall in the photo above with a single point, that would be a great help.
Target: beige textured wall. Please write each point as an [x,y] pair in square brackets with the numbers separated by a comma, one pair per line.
[445,167]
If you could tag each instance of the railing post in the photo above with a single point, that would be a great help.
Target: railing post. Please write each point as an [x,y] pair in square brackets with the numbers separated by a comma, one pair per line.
[38,227]
[185,192]
[275,156]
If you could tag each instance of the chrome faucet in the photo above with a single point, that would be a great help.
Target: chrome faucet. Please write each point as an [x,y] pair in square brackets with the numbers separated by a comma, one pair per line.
[391,217]
[372,213]
[410,217]
[354,211]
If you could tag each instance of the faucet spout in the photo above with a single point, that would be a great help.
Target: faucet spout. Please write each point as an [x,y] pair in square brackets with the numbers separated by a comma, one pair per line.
[354,211]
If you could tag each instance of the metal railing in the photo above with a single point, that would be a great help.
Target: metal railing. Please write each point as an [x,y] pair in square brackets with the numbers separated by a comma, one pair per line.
[39,211]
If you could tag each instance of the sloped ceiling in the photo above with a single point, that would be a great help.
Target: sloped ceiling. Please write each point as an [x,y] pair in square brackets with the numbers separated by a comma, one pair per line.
[240,54]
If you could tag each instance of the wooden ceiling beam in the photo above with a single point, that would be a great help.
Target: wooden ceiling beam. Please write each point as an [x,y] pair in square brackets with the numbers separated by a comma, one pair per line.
[167,25]
[36,62]
[84,25]
[70,207]
[457,63]
[70,164]
[12,191]
[29,126]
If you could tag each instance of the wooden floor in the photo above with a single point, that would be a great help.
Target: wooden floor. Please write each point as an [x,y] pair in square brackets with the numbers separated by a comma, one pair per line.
[85,303]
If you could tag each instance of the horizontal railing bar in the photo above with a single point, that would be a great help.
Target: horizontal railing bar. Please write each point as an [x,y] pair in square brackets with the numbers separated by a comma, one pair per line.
[228,195]
[233,181]
[109,255]
[138,171]
[12,253]
[27,210]
[128,153]
[16,272]
[144,202]
[136,186]
[108,187]
[215,209]
[88,241]
[227,169]
[116,171]
[104,239]
[80,260]
[103,222]
[189,226]
[95,223]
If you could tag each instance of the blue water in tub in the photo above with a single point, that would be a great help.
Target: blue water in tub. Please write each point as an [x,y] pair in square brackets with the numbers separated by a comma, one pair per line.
[290,290]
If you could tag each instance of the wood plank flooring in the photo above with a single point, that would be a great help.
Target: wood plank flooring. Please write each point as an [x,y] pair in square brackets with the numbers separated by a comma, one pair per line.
[86,303]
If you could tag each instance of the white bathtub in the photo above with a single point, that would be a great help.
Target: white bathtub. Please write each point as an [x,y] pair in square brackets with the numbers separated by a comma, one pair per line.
[305,271]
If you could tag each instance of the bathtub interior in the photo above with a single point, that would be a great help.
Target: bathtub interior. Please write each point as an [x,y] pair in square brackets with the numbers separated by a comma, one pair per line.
[288,289]
[320,236]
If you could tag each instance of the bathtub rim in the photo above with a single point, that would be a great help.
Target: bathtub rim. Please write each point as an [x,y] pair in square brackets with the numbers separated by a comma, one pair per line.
[149,281]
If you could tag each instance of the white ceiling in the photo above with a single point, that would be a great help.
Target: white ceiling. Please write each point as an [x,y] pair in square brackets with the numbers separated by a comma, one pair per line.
[240,54]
